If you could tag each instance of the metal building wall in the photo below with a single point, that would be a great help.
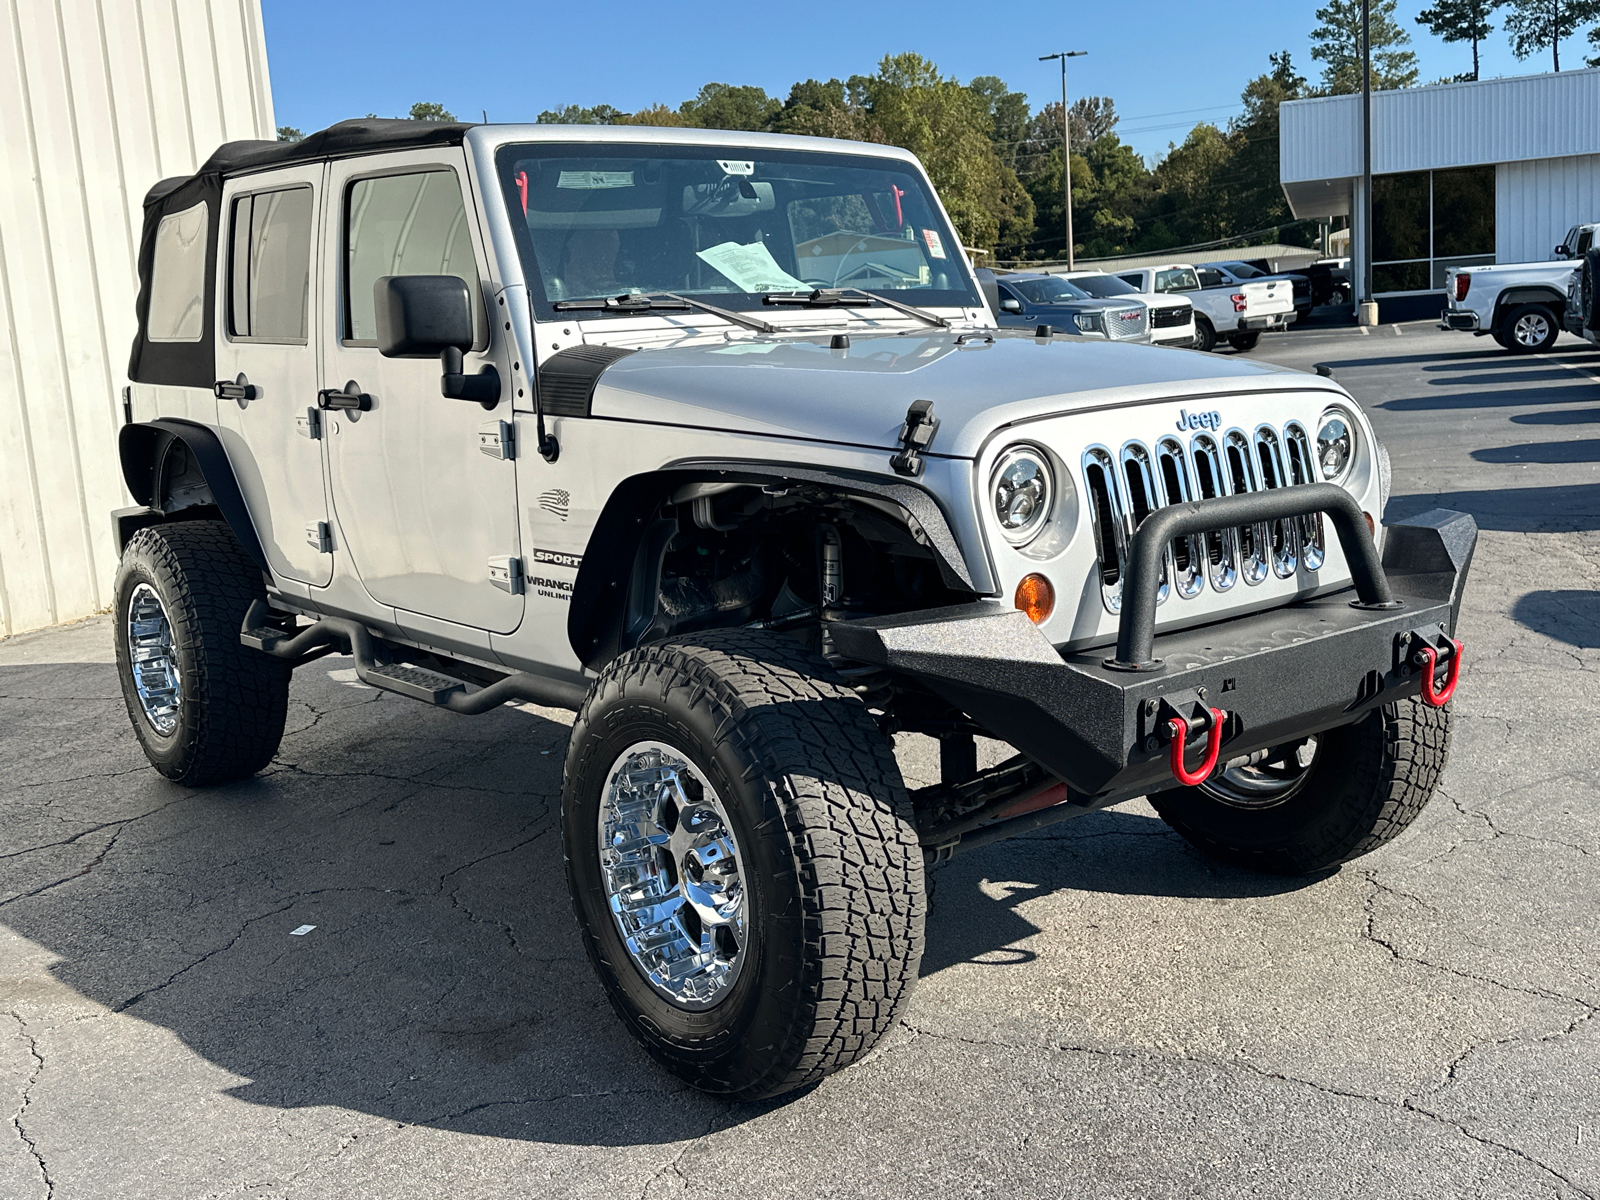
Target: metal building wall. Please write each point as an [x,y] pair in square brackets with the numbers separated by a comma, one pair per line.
[101,98]
[1537,202]
[1447,125]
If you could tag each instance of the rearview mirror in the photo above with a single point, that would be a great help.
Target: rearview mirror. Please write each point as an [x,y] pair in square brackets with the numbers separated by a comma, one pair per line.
[419,316]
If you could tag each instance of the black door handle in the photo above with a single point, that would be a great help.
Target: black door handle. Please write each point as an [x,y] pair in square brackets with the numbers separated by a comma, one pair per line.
[349,396]
[235,389]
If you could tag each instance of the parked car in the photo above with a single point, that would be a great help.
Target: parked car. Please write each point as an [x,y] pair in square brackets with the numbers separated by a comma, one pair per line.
[1243,272]
[1171,317]
[589,417]
[1037,301]
[1237,313]
[1521,305]
[1329,278]
[1587,289]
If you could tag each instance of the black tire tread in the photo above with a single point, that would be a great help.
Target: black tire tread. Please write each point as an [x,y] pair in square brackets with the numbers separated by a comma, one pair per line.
[1384,792]
[236,699]
[850,828]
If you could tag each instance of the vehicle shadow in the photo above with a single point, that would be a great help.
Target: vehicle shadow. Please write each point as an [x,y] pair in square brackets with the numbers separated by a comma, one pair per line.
[1567,616]
[1563,508]
[1576,451]
[1580,416]
[443,982]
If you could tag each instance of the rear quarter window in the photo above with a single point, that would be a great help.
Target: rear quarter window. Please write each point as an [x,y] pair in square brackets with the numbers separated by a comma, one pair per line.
[178,277]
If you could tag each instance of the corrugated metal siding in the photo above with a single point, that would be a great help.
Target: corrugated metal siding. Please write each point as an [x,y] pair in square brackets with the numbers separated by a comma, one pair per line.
[1449,125]
[1537,202]
[101,99]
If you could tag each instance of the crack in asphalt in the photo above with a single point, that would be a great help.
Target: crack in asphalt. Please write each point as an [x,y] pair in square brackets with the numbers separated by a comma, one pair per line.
[27,1099]
[1405,1104]
[79,874]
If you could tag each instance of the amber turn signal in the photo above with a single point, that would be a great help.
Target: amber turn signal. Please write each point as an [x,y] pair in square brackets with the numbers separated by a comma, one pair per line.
[1036,597]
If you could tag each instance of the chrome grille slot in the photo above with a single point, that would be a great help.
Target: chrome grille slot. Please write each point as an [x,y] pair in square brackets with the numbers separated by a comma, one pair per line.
[1222,545]
[1283,536]
[1142,500]
[1253,539]
[1105,504]
[1187,554]
[1313,547]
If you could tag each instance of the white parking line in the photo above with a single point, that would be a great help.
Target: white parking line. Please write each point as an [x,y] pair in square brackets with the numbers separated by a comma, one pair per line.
[1574,367]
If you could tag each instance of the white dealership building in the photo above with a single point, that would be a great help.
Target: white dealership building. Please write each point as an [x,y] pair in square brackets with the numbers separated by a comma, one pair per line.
[1493,171]
[98,101]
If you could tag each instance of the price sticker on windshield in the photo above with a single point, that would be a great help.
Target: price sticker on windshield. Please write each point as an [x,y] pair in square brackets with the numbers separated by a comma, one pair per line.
[935,245]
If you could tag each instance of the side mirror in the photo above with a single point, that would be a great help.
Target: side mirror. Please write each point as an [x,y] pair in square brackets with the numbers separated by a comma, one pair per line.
[1561,251]
[1007,304]
[419,316]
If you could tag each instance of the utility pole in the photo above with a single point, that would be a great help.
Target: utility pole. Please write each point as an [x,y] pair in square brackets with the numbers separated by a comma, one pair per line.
[1066,144]
[1367,314]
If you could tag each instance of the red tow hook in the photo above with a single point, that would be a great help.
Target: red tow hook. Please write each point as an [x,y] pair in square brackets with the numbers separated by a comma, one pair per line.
[1439,697]
[1178,728]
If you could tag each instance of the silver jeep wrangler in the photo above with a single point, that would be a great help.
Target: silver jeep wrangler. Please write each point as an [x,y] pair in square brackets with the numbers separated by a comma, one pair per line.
[711,438]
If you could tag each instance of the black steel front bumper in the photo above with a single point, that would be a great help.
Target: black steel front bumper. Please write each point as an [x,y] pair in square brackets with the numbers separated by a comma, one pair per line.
[1278,675]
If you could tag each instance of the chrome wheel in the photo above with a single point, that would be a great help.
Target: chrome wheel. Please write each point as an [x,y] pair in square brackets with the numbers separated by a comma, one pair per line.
[150,657]
[672,873]
[1265,778]
[1531,329]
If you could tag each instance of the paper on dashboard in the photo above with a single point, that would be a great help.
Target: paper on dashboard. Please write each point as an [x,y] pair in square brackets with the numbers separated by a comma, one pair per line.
[751,268]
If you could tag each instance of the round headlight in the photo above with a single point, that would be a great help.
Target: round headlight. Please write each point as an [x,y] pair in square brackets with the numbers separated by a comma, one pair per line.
[1024,491]
[1336,443]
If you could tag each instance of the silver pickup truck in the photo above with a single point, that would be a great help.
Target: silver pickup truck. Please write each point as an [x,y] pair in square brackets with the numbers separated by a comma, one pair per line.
[1521,305]
[710,439]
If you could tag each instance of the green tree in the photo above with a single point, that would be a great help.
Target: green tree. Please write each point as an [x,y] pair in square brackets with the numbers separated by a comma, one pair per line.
[1008,116]
[1196,201]
[1460,21]
[1535,25]
[1594,40]
[425,110]
[1093,117]
[724,106]
[573,114]
[1337,45]
[288,133]
[656,114]
[1256,198]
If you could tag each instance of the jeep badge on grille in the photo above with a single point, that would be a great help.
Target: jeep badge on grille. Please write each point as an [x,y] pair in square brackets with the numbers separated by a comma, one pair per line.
[1205,420]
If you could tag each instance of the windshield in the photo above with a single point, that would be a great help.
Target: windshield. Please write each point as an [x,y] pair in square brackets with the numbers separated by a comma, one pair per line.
[605,221]
[1242,270]
[1177,279]
[1105,285]
[1052,289]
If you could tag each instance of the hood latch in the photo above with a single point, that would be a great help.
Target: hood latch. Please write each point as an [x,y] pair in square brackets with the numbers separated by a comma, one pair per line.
[915,436]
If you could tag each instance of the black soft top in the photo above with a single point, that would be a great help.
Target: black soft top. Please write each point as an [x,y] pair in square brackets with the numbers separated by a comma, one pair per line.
[192,364]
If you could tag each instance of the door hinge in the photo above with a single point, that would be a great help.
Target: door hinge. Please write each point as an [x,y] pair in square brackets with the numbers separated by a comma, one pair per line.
[320,535]
[506,574]
[309,424]
[497,439]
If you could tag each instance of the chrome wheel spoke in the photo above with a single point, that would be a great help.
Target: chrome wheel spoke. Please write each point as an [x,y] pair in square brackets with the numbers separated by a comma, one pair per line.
[670,865]
[151,661]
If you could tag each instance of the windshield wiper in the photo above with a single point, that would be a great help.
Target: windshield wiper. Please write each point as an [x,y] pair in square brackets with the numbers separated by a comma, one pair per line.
[852,298]
[659,302]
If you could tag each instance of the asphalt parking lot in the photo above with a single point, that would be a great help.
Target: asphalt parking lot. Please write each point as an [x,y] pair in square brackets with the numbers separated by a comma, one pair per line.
[1102,1013]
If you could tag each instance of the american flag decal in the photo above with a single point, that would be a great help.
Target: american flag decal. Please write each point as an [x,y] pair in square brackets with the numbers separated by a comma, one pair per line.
[556,501]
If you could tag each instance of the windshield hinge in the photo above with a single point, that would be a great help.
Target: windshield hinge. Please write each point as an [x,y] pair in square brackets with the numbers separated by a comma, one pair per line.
[915,436]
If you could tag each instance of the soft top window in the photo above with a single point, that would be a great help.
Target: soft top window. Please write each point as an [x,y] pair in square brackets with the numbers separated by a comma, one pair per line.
[178,277]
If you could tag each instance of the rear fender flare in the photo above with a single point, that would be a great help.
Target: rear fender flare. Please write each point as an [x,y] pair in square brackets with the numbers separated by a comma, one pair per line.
[1515,297]
[145,451]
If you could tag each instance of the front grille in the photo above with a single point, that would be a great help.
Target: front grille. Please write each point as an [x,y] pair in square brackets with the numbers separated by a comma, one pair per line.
[1170,318]
[1125,323]
[1125,487]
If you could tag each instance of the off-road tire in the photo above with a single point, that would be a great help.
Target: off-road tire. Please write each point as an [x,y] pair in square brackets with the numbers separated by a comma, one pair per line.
[1367,784]
[1205,337]
[1551,321]
[1245,342]
[833,872]
[234,700]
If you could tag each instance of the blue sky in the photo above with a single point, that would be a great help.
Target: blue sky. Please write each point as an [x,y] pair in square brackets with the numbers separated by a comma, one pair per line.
[1167,63]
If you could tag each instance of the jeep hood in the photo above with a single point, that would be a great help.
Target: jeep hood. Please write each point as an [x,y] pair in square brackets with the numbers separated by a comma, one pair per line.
[859,396]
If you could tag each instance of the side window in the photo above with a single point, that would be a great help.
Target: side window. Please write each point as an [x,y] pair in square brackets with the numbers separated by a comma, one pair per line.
[1208,279]
[1585,240]
[269,265]
[1136,280]
[404,225]
[178,277]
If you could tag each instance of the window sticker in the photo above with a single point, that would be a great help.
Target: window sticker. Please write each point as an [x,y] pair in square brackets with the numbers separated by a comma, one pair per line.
[751,268]
[594,181]
[935,246]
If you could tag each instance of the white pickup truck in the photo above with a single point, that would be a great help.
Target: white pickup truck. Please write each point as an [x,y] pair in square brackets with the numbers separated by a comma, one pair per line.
[1520,305]
[1235,313]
